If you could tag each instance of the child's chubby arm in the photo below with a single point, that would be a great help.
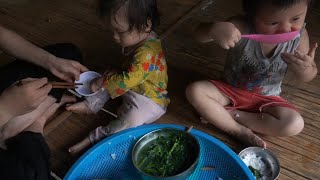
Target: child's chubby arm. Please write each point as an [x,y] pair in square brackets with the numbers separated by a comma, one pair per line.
[301,63]
[116,84]
[225,33]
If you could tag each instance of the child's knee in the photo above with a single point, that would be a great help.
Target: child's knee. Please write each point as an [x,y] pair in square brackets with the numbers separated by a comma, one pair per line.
[194,90]
[139,120]
[197,91]
[294,125]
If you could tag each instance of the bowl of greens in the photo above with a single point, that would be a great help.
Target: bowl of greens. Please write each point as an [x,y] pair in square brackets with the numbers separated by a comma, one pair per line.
[167,154]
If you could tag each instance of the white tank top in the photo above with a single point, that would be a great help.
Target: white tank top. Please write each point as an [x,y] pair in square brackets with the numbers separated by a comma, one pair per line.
[248,68]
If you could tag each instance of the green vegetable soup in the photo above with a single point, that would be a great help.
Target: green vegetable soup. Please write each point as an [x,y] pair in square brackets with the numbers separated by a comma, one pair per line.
[167,156]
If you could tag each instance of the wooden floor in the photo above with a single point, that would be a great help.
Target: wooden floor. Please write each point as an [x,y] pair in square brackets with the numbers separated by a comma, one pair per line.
[46,22]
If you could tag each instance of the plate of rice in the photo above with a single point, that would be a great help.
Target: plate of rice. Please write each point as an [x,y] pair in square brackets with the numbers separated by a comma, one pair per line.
[262,163]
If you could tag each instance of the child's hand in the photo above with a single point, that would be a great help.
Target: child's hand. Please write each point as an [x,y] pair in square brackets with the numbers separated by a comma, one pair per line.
[109,72]
[298,61]
[225,34]
[96,84]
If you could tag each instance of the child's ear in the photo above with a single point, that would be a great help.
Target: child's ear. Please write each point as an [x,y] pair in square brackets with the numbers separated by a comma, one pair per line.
[149,25]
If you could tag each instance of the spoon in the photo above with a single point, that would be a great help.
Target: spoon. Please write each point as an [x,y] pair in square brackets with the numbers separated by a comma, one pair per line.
[272,38]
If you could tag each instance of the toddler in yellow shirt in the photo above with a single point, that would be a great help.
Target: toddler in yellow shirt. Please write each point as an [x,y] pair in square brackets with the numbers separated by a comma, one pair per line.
[142,81]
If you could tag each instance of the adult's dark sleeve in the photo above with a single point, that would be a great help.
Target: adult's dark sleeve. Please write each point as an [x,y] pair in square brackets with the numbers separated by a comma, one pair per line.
[27,157]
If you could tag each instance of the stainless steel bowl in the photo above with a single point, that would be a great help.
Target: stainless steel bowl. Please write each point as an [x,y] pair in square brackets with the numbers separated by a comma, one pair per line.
[165,132]
[269,159]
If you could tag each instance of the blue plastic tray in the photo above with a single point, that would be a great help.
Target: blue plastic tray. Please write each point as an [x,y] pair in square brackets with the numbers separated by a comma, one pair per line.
[111,158]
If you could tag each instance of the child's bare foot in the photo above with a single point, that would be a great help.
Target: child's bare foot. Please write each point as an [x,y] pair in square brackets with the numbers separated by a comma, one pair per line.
[79,108]
[80,146]
[248,137]
[245,135]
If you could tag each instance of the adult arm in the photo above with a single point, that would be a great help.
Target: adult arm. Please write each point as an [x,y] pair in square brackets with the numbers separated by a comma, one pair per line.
[20,48]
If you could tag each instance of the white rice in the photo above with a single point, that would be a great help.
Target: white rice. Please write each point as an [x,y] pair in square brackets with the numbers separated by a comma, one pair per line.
[254,161]
[113,156]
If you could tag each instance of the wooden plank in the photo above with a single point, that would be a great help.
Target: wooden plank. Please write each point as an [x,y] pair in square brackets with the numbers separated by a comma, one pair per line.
[312,154]
[289,175]
[184,17]
[296,163]
[53,124]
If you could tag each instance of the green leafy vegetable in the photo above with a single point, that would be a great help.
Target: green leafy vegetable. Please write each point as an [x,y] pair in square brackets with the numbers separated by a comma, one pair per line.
[166,156]
[255,172]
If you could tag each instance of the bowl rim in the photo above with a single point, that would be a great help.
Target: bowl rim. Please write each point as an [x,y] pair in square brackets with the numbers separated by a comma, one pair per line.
[162,129]
[86,72]
[268,152]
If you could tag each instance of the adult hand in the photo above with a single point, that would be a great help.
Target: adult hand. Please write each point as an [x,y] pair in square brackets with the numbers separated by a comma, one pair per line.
[24,96]
[67,70]
[299,62]
[225,34]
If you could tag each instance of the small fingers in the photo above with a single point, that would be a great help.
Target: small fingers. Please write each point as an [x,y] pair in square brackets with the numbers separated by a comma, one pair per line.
[228,45]
[232,44]
[238,35]
[225,46]
[303,57]
[312,50]
[290,58]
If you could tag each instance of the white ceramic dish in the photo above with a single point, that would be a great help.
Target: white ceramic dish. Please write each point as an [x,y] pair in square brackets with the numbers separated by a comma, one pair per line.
[86,78]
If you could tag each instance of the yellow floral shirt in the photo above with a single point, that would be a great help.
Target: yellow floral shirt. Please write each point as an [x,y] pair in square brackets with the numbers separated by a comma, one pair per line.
[145,74]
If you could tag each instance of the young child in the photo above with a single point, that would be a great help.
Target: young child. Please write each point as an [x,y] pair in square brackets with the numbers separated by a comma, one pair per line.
[142,82]
[249,98]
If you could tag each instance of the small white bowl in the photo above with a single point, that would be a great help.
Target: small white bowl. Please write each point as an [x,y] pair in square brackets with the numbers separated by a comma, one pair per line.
[85,79]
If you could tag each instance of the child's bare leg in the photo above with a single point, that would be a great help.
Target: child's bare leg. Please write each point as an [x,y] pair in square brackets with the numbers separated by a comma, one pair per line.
[99,133]
[80,108]
[273,121]
[136,110]
[210,102]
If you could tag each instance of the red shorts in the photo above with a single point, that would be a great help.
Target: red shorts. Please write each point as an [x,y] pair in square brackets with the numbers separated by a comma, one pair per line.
[249,101]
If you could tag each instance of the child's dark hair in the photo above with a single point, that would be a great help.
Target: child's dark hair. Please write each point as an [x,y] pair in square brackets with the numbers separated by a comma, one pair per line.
[250,7]
[138,12]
